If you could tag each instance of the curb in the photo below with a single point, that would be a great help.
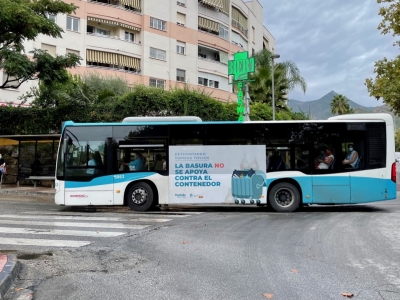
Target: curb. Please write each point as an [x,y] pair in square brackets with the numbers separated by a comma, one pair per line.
[8,274]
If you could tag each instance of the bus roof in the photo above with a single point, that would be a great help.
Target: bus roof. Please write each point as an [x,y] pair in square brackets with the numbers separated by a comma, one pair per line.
[195,120]
[161,119]
[365,117]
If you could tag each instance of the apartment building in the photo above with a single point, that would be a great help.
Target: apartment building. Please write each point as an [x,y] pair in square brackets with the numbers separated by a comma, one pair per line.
[161,43]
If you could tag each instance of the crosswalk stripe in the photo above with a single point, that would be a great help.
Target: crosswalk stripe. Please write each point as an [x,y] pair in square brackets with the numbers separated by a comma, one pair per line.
[42,242]
[80,214]
[70,224]
[60,232]
[47,217]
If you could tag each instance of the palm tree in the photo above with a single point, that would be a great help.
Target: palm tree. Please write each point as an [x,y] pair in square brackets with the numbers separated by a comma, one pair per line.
[340,105]
[286,78]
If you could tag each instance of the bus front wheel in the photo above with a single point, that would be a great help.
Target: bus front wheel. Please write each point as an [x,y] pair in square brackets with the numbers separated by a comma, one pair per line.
[284,197]
[140,196]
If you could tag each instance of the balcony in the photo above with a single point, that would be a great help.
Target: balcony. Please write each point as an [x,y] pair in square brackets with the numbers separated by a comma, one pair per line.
[129,5]
[240,27]
[213,13]
[213,59]
[124,40]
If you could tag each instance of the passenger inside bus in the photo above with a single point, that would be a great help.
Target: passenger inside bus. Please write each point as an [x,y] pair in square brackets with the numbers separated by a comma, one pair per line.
[351,159]
[276,162]
[327,161]
[158,163]
[137,163]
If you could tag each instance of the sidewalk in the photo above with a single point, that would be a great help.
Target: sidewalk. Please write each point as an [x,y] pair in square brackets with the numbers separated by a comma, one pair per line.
[7,189]
[8,272]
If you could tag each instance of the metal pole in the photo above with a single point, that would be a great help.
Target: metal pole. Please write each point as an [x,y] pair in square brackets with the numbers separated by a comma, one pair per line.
[246,101]
[273,92]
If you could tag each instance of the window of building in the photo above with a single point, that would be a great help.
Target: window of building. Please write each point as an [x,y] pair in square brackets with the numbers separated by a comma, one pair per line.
[180,47]
[158,54]
[158,83]
[76,52]
[213,83]
[223,32]
[253,34]
[180,75]
[202,55]
[208,82]
[49,48]
[72,24]
[181,2]
[129,37]
[90,29]
[202,81]
[51,17]
[158,24]
[100,31]
[181,19]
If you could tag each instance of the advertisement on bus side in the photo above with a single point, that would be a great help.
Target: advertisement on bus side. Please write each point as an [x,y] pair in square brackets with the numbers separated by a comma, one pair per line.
[217,174]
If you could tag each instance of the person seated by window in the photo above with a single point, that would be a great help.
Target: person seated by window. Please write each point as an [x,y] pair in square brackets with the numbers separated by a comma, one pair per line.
[91,162]
[164,161]
[276,162]
[137,162]
[158,163]
[2,165]
[327,161]
[351,158]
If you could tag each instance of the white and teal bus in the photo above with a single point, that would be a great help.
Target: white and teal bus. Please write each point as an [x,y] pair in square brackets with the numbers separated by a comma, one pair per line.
[143,162]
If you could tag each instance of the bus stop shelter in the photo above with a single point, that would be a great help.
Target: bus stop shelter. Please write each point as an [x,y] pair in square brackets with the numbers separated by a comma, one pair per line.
[29,156]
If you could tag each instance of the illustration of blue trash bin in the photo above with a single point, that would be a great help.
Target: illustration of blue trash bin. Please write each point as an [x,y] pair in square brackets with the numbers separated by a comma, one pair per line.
[248,185]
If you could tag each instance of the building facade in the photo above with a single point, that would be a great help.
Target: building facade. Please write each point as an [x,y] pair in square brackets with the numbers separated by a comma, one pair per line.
[162,43]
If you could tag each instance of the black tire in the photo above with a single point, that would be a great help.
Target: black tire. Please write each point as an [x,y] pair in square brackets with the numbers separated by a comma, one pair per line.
[140,197]
[284,197]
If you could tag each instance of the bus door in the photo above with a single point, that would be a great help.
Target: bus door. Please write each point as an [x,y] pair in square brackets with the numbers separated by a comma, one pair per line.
[87,181]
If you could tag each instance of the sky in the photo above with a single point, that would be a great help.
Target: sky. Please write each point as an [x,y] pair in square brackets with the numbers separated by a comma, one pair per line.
[334,43]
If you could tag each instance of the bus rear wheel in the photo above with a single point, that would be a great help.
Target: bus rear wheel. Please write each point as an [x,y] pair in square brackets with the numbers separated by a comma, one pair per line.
[140,197]
[284,197]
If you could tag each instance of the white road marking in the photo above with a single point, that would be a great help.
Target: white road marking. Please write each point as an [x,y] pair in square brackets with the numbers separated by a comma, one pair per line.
[70,224]
[59,232]
[82,218]
[49,217]
[69,213]
[40,242]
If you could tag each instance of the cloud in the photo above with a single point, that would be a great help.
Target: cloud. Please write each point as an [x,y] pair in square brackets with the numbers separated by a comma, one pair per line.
[334,43]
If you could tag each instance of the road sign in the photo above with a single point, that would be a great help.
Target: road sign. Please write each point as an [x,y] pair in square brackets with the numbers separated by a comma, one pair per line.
[241,66]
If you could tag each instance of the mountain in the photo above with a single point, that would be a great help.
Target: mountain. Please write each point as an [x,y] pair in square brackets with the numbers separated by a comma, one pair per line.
[321,108]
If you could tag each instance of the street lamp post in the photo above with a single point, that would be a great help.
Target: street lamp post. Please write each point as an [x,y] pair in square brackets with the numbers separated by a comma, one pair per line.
[273,56]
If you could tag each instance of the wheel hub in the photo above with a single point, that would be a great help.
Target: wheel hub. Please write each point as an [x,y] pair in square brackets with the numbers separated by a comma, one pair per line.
[139,196]
[284,197]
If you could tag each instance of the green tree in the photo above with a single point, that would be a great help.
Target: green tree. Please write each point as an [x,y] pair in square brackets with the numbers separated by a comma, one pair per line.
[24,20]
[397,140]
[340,105]
[386,84]
[286,78]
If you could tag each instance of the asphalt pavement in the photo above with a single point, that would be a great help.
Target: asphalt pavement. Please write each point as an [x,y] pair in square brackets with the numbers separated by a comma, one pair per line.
[235,252]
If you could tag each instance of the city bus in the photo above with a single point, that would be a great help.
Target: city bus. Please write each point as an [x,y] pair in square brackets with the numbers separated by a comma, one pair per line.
[144,162]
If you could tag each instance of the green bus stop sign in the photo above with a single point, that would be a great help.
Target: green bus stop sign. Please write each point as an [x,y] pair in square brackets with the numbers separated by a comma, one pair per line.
[241,66]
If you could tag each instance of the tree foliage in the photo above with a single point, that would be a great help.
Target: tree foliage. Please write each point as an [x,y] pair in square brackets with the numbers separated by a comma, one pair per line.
[386,84]
[79,100]
[24,20]
[286,78]
[340,105]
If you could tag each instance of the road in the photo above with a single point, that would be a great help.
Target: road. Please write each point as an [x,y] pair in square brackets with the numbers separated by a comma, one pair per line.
[216,252]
